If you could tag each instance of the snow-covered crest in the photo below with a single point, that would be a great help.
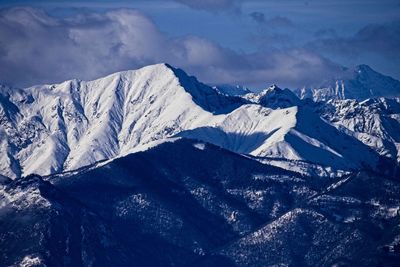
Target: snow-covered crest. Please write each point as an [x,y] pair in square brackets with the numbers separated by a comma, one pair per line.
[53,128]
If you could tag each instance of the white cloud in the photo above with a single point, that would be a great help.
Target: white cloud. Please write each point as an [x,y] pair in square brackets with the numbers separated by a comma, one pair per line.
[38,48]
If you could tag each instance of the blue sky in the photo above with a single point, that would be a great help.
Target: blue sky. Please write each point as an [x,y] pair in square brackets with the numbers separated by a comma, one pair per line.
[254,43]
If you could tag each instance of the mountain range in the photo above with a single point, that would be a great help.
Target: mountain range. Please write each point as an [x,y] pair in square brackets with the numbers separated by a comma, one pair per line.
[152,166]
[54,128]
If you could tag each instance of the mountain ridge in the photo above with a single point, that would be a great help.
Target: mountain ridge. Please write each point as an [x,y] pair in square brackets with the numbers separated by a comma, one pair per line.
[53,128]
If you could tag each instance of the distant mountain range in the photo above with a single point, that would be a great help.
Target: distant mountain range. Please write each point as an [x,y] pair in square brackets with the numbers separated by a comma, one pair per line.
[359,83]
[153,167]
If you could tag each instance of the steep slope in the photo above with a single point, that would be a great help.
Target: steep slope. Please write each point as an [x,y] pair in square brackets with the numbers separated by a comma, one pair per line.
[359,83]
[233,90]
[250,129]
[188,203]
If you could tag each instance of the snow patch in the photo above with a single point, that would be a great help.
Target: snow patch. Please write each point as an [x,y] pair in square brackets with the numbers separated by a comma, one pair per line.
[200,146]
[30,260]
[22,199]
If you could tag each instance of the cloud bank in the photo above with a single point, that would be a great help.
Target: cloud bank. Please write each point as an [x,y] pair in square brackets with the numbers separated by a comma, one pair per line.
[38,48]
[381,39]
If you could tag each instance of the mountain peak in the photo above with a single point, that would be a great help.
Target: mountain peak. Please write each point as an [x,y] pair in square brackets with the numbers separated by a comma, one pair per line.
[270,89]
[364,67]
[156,68]
[205,96]
[274,97]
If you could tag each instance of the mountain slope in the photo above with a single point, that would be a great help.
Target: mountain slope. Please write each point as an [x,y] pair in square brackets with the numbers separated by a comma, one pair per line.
[42,226]
[188,203]
[278,125]
[164,207]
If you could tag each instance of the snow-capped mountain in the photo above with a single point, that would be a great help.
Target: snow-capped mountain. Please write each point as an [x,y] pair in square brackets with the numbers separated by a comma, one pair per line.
[50,128]
[53,128]
[274,97]
[359,83]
